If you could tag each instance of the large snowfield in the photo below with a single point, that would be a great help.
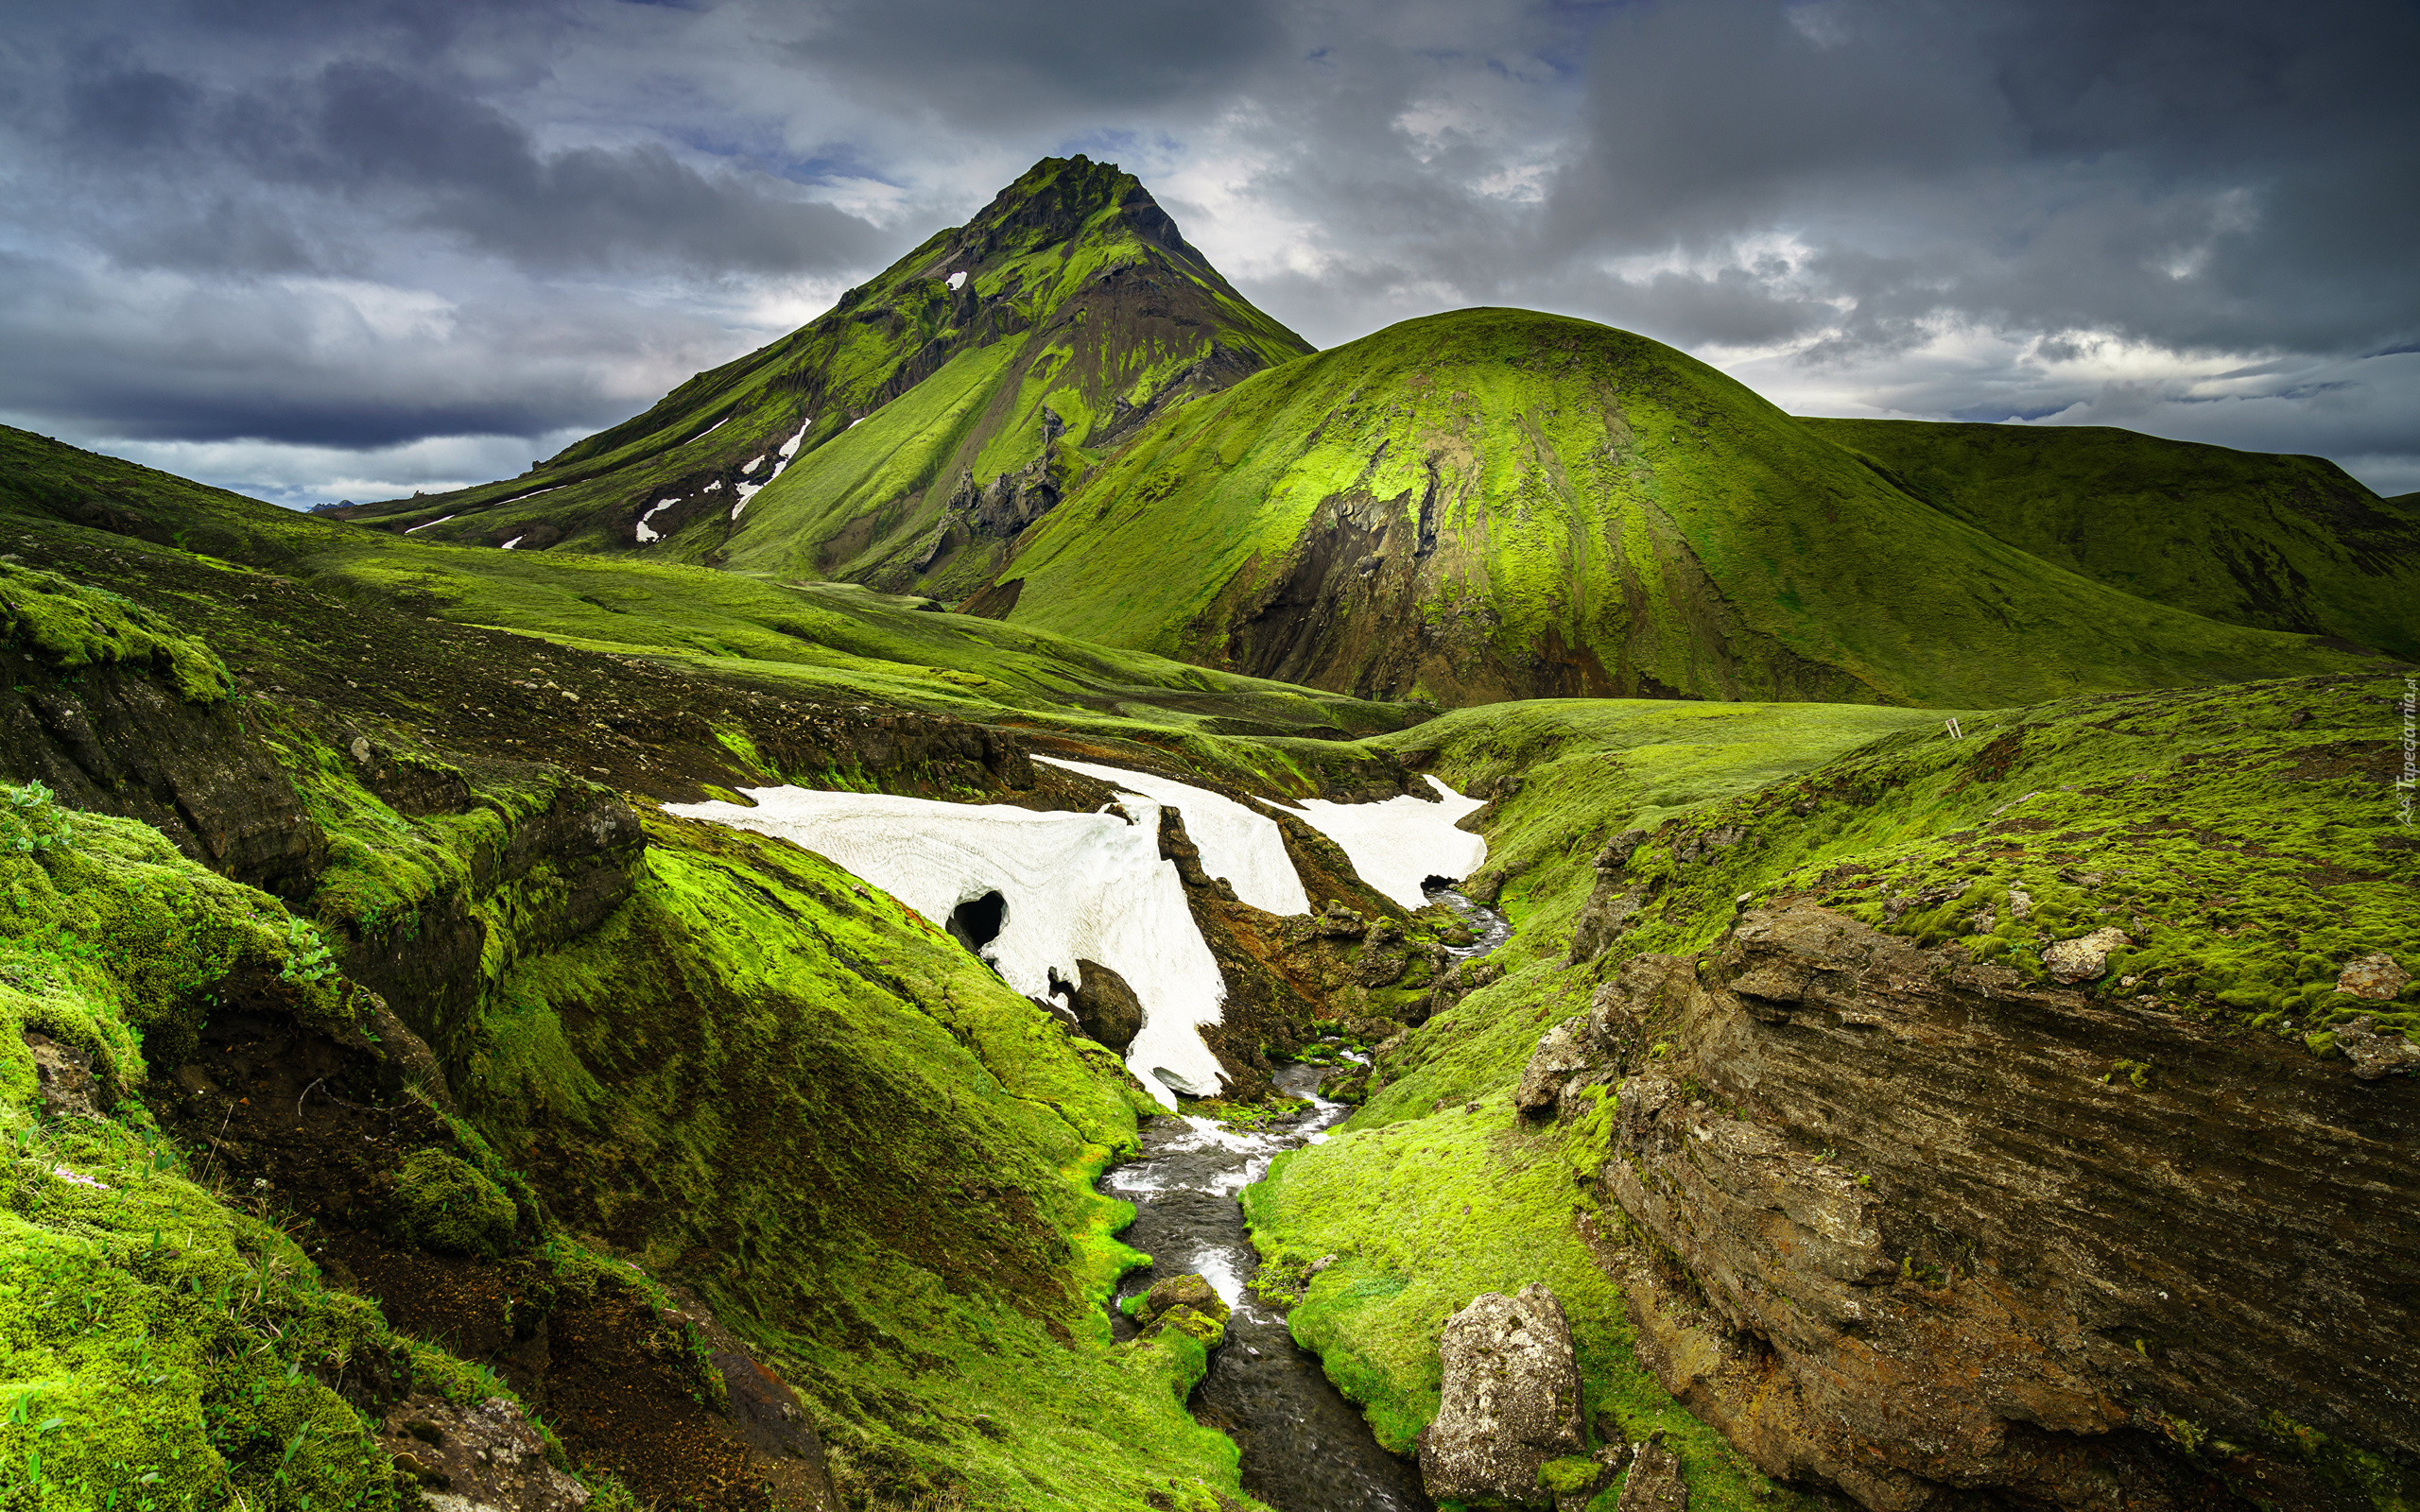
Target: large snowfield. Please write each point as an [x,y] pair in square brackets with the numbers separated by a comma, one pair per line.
[1088,885]
[1093,886]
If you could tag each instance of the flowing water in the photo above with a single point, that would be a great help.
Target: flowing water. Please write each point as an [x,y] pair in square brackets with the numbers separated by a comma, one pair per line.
[1306,1449]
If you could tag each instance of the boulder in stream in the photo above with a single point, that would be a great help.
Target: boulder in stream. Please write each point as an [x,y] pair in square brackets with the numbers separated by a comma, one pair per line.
[1512,1399]
[1187,1304]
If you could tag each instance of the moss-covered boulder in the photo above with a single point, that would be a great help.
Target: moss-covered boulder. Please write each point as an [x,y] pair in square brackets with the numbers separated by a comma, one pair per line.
[444,1203]
[1186,1304]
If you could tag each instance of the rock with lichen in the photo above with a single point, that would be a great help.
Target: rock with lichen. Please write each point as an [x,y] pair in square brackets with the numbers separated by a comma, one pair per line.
[1509,1402]
[2375,975]
[2084,959]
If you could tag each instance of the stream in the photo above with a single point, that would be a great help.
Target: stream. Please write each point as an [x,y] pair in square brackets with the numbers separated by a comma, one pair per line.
[1306,1449]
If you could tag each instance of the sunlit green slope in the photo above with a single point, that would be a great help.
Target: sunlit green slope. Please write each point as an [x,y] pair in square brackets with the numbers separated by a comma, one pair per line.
[1496,503]
[830,641]
[2278,543]
[1004,351]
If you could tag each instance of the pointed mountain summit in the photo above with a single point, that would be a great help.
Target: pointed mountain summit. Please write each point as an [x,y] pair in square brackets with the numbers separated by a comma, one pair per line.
[903,437]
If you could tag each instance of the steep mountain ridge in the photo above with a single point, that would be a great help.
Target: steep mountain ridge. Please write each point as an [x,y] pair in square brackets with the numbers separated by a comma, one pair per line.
[906,432]
[1493,504]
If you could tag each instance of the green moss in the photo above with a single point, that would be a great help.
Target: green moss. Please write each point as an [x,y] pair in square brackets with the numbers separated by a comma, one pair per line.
[444,1204]
[1571,774]
[1596,499]
[1569,1475]
[2245,840]
[2319,553]
[158,1345]
[70,625]
[878,1160]
[2341,1465]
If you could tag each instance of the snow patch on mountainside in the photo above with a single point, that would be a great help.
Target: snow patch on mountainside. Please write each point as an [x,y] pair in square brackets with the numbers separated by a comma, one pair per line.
[647,532]
[1089,885]
[1245,848]
[1399,844]
[749,490]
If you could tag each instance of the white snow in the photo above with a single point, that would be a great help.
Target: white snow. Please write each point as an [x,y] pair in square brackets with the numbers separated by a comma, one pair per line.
[709,430]
[958,279]
[647,532]
[1399,844]
[855,423]
[532,494]
[749,490]
[715,484]
[1076,884]
[1247,849]
[515,542]
[751,464]
[417,529]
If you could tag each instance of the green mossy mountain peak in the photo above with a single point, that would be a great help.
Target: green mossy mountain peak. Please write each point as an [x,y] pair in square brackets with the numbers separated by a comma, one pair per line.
[909,432]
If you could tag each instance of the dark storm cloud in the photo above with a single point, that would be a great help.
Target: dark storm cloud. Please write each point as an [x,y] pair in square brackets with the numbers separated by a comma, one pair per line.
[2201,175]
[983,62]
[375,224]
[429,153]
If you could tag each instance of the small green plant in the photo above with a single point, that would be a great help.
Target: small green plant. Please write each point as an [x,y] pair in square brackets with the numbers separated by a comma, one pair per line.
[307,959]
[31,821]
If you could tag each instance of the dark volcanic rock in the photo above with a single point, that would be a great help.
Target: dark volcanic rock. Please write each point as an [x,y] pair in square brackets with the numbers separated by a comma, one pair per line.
[123,742]
[1106,1007]
[1938,1236]
[1561,1056]
[62,1077]
[1511,1399]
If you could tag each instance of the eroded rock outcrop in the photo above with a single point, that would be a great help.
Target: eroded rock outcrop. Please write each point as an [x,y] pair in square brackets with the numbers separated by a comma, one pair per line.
[482,1458]
[1930,1228]
[1510,1400]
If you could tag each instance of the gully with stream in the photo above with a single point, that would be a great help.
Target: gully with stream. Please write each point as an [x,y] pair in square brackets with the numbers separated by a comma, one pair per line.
[1306,1449]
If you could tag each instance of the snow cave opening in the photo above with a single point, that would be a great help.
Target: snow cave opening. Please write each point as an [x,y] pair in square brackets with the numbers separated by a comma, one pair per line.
[976,922]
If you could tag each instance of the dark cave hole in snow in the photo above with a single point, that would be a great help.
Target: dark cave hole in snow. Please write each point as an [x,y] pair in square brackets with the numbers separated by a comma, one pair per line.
[976,921]
[1431,883]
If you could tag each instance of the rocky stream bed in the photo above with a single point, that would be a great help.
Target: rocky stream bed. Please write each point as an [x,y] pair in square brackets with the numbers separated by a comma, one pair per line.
[1306,1448]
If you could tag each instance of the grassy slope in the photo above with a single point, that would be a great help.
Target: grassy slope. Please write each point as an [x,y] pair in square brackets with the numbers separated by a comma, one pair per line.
[1468,1201]
[2246,538]
[2247,835]
[1580,470]
[827,642]
[886,1153]
[758,1075]
[942,379]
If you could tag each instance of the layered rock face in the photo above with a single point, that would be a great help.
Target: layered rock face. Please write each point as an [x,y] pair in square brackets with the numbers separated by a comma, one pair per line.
[1919,1229]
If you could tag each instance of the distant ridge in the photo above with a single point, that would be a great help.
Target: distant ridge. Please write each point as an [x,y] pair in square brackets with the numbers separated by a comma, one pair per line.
[1500,504]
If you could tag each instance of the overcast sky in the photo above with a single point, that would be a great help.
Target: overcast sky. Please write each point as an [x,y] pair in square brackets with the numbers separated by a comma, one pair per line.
[311,250]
